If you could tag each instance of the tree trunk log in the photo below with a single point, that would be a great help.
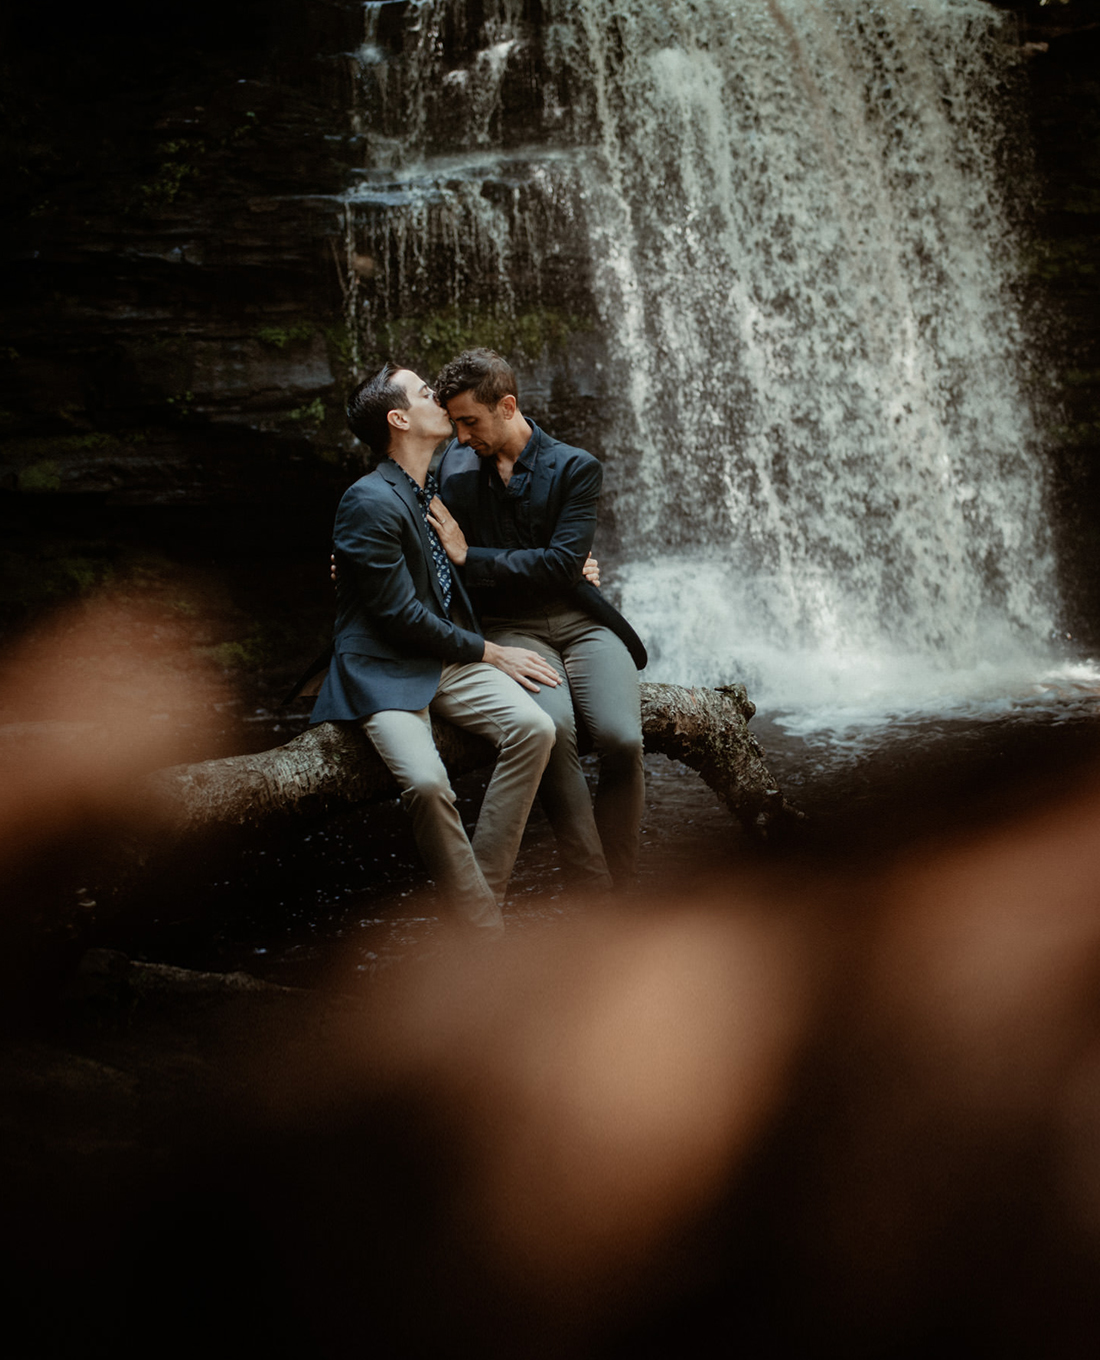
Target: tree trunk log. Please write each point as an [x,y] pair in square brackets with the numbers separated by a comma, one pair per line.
[707,729]
[330,768]
[192,817]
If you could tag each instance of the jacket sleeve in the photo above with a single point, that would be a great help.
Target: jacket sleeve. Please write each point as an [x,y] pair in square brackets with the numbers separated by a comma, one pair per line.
[557,567]
[371,563]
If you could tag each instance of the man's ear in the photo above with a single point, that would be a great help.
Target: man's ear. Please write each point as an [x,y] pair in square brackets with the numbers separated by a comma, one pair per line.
[507,406]
[398,417]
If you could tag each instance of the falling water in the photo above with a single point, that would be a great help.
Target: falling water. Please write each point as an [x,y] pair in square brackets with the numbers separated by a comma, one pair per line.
[784,238]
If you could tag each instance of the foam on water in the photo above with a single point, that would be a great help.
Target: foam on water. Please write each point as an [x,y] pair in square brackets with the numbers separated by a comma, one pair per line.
[707,623]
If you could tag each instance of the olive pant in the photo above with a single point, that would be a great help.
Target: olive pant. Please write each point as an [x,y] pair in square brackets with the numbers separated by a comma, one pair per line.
[603,689]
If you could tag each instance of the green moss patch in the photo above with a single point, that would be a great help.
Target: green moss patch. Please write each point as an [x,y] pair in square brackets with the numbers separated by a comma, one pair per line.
[279,337]
[39,478]
[433,339]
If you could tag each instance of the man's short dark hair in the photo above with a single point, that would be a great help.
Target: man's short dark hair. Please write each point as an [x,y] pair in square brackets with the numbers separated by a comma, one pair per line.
[371,403]
[480,371]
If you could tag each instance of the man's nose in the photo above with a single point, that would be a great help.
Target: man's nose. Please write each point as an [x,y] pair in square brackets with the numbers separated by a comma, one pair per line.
[463,436]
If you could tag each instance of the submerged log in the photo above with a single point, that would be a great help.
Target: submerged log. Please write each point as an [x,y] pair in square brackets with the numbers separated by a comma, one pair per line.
[331,768]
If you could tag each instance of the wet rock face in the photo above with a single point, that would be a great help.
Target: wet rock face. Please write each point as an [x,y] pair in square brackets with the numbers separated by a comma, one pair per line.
[1065,118]
[174,247]
[172,363]
[168,248]
[175,265]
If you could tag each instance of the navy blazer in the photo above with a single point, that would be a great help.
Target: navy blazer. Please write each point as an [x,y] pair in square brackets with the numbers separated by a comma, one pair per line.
[556,495]
[392,635]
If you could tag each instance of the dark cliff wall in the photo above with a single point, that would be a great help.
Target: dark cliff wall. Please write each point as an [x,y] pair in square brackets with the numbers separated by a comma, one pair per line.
[1064,84]
[166,244]
[171,357]
[174,355]
[171,363]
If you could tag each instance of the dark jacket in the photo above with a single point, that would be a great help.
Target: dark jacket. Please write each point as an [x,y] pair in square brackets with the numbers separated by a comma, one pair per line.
[553,493]
[392,636]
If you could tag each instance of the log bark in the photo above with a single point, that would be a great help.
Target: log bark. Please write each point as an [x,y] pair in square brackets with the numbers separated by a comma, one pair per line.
[707,729]
[331,768]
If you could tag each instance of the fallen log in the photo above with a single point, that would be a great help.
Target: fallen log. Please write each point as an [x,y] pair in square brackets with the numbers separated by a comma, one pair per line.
[707,730]
[134,845]
[330,768]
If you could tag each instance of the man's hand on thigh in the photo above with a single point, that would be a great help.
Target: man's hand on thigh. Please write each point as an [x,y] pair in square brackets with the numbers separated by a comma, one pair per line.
[524,666]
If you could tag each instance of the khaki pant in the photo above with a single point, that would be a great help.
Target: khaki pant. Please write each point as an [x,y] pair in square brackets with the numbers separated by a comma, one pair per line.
[473,876]
[603,687]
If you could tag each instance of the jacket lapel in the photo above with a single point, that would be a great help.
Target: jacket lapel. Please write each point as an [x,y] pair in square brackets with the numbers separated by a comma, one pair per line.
[397,479]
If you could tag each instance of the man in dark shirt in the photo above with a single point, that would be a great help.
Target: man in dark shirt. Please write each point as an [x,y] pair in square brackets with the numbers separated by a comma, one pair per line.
[518,516]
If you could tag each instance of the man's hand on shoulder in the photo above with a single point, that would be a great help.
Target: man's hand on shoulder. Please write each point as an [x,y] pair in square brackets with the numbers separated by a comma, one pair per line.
[526,667]
[450,535]
[591,571]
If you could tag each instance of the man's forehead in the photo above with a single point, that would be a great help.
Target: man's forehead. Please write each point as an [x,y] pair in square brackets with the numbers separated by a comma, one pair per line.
[410,381]
[467,403]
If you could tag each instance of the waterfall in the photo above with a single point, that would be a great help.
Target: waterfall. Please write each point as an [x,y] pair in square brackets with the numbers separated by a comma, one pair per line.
[777,245]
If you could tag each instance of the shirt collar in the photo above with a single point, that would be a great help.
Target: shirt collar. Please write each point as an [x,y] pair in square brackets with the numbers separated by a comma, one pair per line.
[427,491]
[526,459]
[530,452]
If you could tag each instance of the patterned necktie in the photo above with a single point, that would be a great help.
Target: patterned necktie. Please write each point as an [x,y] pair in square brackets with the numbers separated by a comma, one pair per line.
[442,562]
[439,556]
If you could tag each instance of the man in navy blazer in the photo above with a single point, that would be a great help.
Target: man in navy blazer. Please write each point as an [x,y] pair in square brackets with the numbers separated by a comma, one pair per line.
[519,517]
[407,640]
